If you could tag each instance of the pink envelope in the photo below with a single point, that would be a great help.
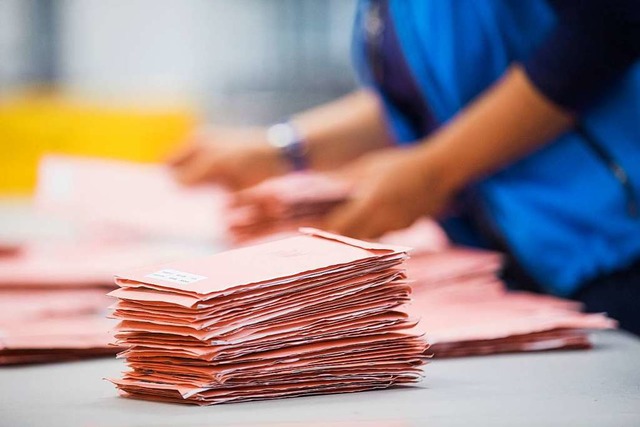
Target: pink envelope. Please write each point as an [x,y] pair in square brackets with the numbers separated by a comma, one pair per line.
[315,313]
[138,199]
[221,273]
[468,311]
[40,325]
[74,332]
[22,305]
[79,264]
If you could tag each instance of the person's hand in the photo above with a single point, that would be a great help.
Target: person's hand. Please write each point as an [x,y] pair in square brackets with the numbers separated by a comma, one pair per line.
[236,158]
[394,188]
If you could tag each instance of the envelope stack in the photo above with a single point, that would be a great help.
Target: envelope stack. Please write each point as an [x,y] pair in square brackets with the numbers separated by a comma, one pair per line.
[283,204]
[312,314]
[57,264]
[470,311]
[91,192]
[53,299]
[42,325]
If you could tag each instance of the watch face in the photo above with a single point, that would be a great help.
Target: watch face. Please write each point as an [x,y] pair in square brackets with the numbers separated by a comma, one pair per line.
[281,135]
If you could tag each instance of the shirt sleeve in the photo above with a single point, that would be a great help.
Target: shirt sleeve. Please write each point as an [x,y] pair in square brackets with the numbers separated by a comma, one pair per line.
[593,43]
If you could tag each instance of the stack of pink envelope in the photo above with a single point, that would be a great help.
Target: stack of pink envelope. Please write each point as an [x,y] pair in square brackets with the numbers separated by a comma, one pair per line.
[82,264]
[56,340]
[469,311]
[44,325]
[93,191]
[52,282]
[53,299]
[285,203]
[312,314]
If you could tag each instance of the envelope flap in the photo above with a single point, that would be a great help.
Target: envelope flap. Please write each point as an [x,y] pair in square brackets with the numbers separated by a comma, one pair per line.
[370,246]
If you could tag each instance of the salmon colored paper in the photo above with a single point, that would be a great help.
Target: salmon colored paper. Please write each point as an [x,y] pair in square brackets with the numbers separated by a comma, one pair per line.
[282,204]
[312,314]
[53,299]
[79,264]
[53,325]
[135,199]
[470,312]
[56,340]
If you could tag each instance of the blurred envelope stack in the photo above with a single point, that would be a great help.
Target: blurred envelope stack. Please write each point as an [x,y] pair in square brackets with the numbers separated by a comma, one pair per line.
[93,192]
[285,203]
[279,206]
[57,268]
[468,310]
[53,297]
[311,314]
[42,325]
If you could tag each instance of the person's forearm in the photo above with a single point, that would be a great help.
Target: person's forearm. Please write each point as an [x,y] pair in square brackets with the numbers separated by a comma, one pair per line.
[343,130]
[508,122]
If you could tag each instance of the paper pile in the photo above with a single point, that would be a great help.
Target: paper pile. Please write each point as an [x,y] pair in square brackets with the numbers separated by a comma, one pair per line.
[53,299]
[56,340]
[470,312]
[283,204]
[311,314]
[41,325]
[93,191]
[82,264]
[41,276]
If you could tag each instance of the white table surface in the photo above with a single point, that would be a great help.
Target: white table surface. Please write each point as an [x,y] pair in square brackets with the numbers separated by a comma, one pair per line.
[599,387]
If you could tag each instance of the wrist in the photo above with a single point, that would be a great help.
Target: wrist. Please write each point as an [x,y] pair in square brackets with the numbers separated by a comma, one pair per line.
[439,169]
[271,158]
[286,139]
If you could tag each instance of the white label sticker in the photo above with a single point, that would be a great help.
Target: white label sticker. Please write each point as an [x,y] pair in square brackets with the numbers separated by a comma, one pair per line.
[176,276]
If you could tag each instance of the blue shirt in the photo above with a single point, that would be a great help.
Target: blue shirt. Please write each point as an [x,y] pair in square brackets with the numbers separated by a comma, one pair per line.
[563,211]
[592,45]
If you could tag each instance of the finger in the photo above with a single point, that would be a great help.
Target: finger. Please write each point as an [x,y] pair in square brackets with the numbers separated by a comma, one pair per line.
[376,226]
[383,221]
[185,152]
[349,219]
[260,206]
[243,197]
[350,174]
[236,182]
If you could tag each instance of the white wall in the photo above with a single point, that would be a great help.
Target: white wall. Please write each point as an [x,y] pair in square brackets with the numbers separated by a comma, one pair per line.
[13,42]
[198,47]
[271,56]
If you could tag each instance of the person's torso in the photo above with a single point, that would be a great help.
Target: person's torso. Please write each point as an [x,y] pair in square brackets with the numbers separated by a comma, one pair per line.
[562,211]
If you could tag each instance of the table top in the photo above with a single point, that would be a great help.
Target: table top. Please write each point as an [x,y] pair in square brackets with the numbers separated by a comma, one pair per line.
[596,387]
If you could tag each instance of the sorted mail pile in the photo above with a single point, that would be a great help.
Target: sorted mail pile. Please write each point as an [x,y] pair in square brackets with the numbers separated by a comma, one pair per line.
[311,314]
[283,204]
[469,311]
[92,191]
[53,286]
[78,264]
[43,325]
[53,299]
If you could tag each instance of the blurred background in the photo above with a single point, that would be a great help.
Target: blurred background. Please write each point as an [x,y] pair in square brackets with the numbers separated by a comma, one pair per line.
[129,78]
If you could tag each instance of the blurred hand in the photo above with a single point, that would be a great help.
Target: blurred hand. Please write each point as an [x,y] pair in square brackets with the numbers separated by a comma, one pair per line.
[394,188]
[234,157]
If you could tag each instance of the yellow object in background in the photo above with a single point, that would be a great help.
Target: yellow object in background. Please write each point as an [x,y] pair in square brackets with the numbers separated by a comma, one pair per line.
[34,125]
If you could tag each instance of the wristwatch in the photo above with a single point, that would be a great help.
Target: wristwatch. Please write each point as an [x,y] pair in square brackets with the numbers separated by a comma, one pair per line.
[286,138]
